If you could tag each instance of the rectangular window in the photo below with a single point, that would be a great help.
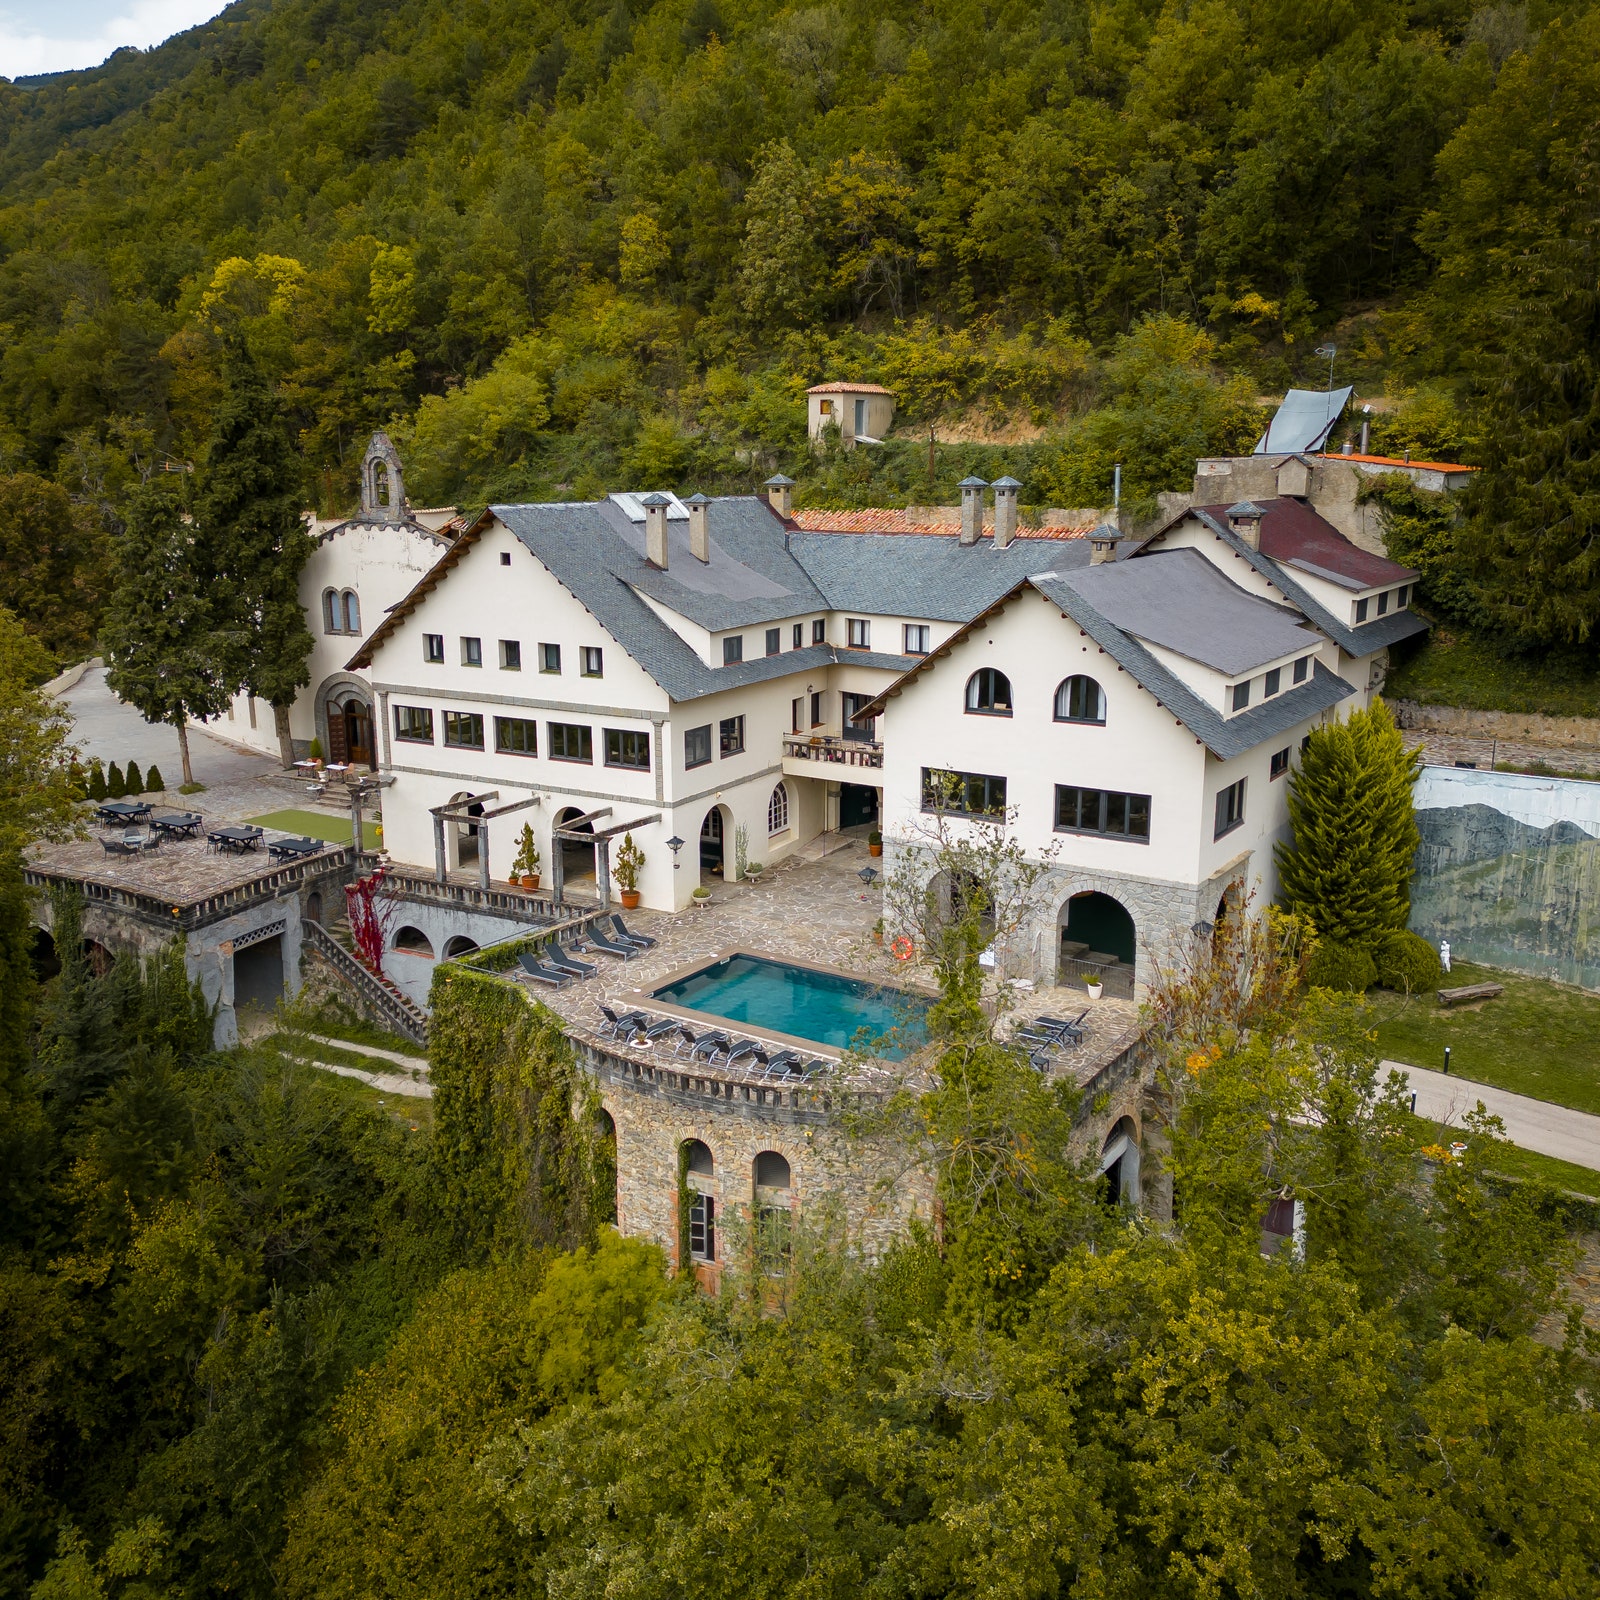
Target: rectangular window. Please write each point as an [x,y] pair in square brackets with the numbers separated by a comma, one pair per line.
[1230,808]
[703,1228]
[1302,669]
[413,724]
[1274,678]
[433,647]
[1401,595]
[799,635]
[733,650]
[1383,604]
[774,641]
[917,638]
[967,794]
[1241,695]
[1280,762]
[592,661]
[628,747]
[816,709]
[797,709]
[571,741]
[516,736]
[1361,610]
[1119,816]
[471,652]
[550,658]
[697,746]
[851,704]
[511,655]
[859,632]
[731,736]
[463,730]
[819,631]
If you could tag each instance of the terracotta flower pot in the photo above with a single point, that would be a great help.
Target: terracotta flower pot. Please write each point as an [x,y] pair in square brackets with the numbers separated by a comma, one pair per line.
[530,880]
[874,849]
[630,899]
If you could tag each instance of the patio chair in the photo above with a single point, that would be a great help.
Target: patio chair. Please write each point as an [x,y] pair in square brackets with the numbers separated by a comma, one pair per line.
[748,1051]
[564,959]
[710,1045]
[536,969]
[643,940]
[611,946]
[119,847]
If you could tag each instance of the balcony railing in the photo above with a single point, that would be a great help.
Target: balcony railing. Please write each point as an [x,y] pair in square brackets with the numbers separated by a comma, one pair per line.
[829,748]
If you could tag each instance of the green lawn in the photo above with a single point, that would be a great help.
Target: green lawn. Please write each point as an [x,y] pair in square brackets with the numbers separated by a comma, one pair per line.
[1454,669]
[319,825]
[1540,1039]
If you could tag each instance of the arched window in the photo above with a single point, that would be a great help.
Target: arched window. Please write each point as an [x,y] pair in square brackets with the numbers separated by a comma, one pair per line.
[460,945]
[352,612]
[772,1170]
[413,941]
[698,1169]
[1080,699]
[989,693]
[697,1158]
[331,621]
[778,810]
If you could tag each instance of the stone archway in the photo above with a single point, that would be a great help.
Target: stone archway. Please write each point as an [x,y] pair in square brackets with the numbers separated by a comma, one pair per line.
[1097,939]
[332,706]
[1119,1163]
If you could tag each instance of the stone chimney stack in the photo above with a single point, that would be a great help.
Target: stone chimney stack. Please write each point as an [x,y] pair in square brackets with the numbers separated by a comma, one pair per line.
[780,494]
[1005,511]
[1244,519]
[699,534]
[1103,544]
[655,529]
[971,509]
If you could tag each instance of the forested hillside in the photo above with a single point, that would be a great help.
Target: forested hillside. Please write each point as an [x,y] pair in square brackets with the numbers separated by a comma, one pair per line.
[560,247]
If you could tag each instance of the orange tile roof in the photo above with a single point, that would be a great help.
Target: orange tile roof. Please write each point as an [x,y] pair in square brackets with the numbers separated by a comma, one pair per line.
[848,388]
[883,519]
[1395,461]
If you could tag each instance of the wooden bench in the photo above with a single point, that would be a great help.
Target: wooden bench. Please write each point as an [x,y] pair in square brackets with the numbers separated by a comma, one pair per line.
[1472,991]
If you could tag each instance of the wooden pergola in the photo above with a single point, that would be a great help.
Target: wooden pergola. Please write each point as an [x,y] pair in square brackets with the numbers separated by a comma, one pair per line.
[459,811]
[581,830]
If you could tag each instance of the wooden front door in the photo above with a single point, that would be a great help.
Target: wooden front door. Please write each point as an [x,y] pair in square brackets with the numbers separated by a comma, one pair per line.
[357,733]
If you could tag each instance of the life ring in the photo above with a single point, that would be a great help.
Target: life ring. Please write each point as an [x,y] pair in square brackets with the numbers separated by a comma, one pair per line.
[901,949]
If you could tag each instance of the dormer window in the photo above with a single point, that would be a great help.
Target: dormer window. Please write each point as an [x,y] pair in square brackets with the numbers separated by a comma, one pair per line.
[1383,603]
[1241,695]
[1361,610]
[1270,687]
[1302,669]
[1401,595]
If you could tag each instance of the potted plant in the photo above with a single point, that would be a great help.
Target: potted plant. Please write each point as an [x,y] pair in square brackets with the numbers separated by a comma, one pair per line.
[629,860]
[525,869]
[754,869]
[314,751]
[1096,988]
[701,897]
[874,843]
[877,931]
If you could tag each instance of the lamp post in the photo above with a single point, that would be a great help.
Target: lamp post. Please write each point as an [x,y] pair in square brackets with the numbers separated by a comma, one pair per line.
[868,875]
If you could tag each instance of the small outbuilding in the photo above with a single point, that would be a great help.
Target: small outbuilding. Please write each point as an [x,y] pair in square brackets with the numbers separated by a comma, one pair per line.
[862,412]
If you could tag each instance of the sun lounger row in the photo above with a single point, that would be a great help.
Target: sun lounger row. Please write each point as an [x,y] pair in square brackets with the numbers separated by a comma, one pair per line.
[1045,1035]
[556,964]
[713,1048]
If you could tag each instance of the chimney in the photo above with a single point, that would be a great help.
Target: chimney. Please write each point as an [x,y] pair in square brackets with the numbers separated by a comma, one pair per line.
[971,509]
[780,494]
[655,529]
[1245,520]
[1005,511]
[1366,426]
[1103,544]
[699,534]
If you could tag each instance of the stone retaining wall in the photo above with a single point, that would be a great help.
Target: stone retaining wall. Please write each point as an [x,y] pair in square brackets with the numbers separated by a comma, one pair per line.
[1529,727]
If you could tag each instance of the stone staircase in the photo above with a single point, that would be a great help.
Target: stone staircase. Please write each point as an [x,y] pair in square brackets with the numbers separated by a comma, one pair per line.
[334,947]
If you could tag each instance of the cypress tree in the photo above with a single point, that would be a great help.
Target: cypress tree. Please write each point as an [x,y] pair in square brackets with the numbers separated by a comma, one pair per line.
[132,783]
[154,783]
[116,784]
[1349,866]
[248,510]
[167,656]
[97,780]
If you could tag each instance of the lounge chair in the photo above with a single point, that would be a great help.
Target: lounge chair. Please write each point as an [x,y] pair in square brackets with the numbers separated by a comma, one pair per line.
[786,1064]
[687,1040]
[814,1066]
[709,1045]
[748,1050]
[535,968]
[662,1030]
[615,1025]
[643,940]
[556,956]
[612,947]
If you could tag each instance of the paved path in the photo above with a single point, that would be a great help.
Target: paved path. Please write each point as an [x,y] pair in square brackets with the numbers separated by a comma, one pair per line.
[1533,1124]
[103,726]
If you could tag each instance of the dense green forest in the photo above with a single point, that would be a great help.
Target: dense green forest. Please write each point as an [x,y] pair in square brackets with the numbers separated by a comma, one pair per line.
[561,247]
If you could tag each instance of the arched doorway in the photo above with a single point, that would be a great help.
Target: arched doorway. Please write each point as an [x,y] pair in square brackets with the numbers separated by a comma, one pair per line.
[46,962]
[714,840]
[357,719]
[1119,1164]
[1098,940]
[577,859]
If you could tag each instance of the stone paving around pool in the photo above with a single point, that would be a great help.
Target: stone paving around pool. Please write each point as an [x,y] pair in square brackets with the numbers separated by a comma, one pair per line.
[810,910]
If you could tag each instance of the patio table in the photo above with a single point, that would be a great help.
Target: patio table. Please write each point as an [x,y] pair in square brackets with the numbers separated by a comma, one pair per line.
[236,840]
[295,849]
[122,812]
[178,824]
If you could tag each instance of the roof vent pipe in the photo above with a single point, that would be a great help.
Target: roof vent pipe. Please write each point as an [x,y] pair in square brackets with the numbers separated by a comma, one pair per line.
[699,535]
[780,493]
[655,529]
[1005,511]
[971,509]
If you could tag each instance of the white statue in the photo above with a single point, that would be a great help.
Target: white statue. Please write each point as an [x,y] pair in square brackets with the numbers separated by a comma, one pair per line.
[1444,954]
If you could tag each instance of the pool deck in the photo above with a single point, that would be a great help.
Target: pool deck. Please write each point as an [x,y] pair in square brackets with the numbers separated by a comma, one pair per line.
[814,911]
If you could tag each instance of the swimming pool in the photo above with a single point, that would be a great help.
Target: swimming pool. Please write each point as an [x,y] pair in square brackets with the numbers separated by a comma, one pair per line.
[807,1003]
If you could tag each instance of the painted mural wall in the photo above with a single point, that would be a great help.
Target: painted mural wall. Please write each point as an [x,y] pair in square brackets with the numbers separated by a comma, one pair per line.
[1509,871]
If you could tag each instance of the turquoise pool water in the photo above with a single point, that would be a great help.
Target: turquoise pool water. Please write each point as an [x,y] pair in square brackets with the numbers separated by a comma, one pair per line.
[834,1011]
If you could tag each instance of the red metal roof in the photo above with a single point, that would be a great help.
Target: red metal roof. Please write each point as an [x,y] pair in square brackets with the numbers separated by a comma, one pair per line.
[884,519]
[849,388]
[1291,531]
[1395,461]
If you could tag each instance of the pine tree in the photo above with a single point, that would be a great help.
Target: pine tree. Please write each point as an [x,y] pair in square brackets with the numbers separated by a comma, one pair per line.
[248,510]
[116,784]
[167,656]
[132,783]
[1355,830]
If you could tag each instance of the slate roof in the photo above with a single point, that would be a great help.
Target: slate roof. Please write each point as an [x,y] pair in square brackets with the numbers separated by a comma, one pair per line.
[890,519]
[1179,600]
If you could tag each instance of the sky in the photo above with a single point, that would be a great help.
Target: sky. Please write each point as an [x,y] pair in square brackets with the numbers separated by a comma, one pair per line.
[58,35]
